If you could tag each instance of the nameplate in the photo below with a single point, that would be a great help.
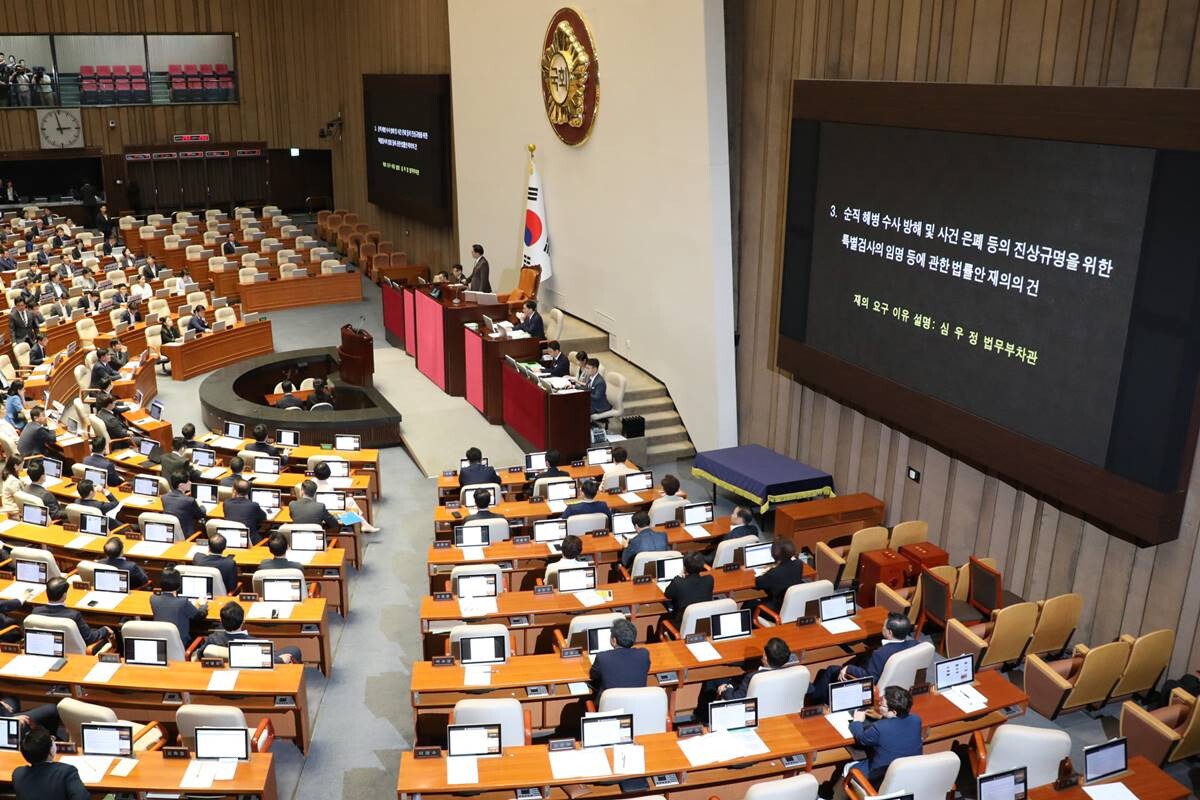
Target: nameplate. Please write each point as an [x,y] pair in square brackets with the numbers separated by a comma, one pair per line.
[598,534]
[70,526]
[10,648]
[571,652]
[442,545]
[449,473]
[441,596]
[812,711]
[561,744]
[695,638]
[65,748]
[6,575]
[83,586]
[537,499]
[543,590]
[516,469]
[667,678]
[427,752]
[638,580]
[521,539]
[110,658]
[248,597]
[156,590]
[133,536]
[920,688]
[443,661]
[671,523]
[453,504]
[578,463]
[212,663]
[731,567]
[806,621]
[689,730]
[175,752]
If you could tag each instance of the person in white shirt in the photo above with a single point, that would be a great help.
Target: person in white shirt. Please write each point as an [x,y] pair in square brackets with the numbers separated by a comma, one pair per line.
[142,290]
[572,549]
[324,484]
[614,471]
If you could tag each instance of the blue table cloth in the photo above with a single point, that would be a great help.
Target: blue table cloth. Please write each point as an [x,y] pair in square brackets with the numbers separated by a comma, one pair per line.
[762,476]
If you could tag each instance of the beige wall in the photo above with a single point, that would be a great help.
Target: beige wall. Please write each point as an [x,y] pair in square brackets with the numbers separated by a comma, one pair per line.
[1042,550]
[639,215]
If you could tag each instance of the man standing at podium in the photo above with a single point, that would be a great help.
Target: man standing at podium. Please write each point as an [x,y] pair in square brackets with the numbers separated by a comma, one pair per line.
[479,280]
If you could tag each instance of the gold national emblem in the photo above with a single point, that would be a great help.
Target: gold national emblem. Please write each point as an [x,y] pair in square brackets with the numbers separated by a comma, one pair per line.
[570,77]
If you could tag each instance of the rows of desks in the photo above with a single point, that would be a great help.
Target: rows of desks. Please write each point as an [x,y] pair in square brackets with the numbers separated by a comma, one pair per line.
[218,349]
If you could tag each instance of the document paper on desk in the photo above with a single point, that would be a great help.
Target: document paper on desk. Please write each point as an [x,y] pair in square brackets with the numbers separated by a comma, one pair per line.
[477,675]
[92,769]
[630,497]
[712,748]
[696,531]
[1110,791]
[102,672]
[473,607]
[28,666]
[18,589]
[144,548]
[82,541]
[261,610]
[590,598]
[223,680]
[199,775]
[843,625]
[572,764]
[212,473]
[556,506]
[703,651]
[966,698]
[628,759]
[123,767]
[8,523]
[105,600]
[462,770]
[840,722]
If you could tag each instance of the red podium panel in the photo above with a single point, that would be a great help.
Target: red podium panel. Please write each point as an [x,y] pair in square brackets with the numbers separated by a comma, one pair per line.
[410,321]
[484,359]
[541,420]
[356,356]
[392,297]
[441,356]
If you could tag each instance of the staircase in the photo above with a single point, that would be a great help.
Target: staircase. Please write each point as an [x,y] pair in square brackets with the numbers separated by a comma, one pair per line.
[666,437]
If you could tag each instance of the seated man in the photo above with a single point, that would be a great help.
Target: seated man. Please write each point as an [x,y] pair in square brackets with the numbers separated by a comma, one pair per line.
[99,461]
[693,586]
[288,400]
[38,352]
[240,508]
[113,425]
[589,505]
[36,473]
[215,557]
[197,322]
[103,368]
[44,778]
[623,667]
[188,432]
[776,655]
[787,572]
[475,471]
[593,381]
[278,546]
[36,439]
[260,443]
[308,510]
[895,734]
[553,459]
[238,467]
[483,499]
[645,540]
[323,475]
[168,606]
[897,637]
[618,467]
[233,618]
[531,321]
[87,497]
[557,365]
[114,556]
[572,549]
[56,595]
[322,392]
[180,504]
[670,488]
[177,460]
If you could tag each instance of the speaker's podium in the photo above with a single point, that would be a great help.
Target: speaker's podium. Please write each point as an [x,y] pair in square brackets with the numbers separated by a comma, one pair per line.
[357,356]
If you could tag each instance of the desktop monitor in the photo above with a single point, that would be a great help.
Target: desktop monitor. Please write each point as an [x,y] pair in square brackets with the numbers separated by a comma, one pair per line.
[730,625]
[667,568]
[267,499]
[473,740]
[98,477]
[52,466]
[469,497]
[196,587]
[156,409]
[41,642]
[287,438]
[111,580]
[606,730]
[282,590]
[34,515]
[696,513]
[308,541]
[733,715]
[1102,761]
[266,465]
[347,441]
[576,579]
[237,538]
[561,490]
[338,468]
[482,649]
[161,532]
[234,430]
[206,493]
[953,672]
[472,535]
[94,524]
[1008,785]
[549,530]
[851,695]
[536,462]
[333,501]
[837,606]
[146,652]
[757,555]
[599,640]
[637,481]
[145,485]
[10,733]
[107,739]
[468,586]
[146,446]
[203,457]
[251,654]
[463,463]
[622,523]
[28,571]
[225,744]
[599,455]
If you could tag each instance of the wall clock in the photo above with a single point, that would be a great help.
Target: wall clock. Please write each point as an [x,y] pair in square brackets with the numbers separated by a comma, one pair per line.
[60,128]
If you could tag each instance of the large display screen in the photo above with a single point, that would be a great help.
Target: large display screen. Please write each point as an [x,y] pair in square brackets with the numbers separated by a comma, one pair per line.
[406,120]
[994,273]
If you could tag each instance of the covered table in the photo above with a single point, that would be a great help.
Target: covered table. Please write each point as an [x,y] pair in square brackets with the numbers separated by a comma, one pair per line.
[761,476]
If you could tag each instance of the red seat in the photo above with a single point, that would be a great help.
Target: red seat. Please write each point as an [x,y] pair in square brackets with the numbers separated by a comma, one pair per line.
[174,69]
[206,70]
[87,91]
[138,84]
[86,71]
[104,71]
[119,71]
[221,69]
[190,70]
[136,71]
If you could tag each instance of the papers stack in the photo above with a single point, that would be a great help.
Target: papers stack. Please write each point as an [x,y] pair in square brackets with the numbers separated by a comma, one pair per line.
[572,764]
[556,506]
[966,697]
[7,524]
[212,473]
[123,767]
[474,607]
[630,497]
[696,531]
[712,748]
[226,442]
[81,541]
[471,553]
[105,600]
[138,500]
[263,610]
[1110,791]
[301,556]
[144,548]
[628,759]
[477,675]
[26,666]
[843,625]
[590,598]
[840,722]
[199,775]
[704,651]
[462,770]
[92,769]
[223,680]
[18,589]
[102,672]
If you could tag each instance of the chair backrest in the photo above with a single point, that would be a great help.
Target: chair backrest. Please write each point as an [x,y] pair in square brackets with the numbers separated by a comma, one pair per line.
[464,570]
[696,612]
[497,528]
[643,562]
[581,624]
[74,512]
[797,598]
[226,314]
[1148,660]
[35,554]
[962,585]
[218,582]
[1039,750]
[663,508]
[154,337]
[479,629]
[470,488]
[74,713]
[727,549]
[863,541]
[927,777]
[1012,628]
[246,274]
[586,523]
[86,329]
[901,669]
[1101,669]
[780,691]
[1057,621]
[147,629]
[936,598]
[614,390]
[72,642]
[166,519]
[190,716]
[648,705]
[159,306]
[554,324]
[506,711]
[291,574]
[197,298]
[21,351]
[798,787]
[539,485]
[910,532]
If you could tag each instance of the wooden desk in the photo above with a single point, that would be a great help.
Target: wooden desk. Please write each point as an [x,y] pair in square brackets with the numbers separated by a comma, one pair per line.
[314,291]
[439,341]
[143,694]
[513,484]
[484,357]
[299,394]
[213,350]
[366,459]
[541,420]
[827,519]
[1144,779]
[522,513]
[812,737]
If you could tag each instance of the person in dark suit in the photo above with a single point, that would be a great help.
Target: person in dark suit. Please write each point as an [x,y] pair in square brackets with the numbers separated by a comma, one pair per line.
[113,424]
[44,779]
[56,594]
[483,499]
[646,539]
[180,504]
[151,269]
[897,637]
[23,323]
[237,466]
[553,459]
[230,246]
[288,400]
[260,444]
[787,572]
[475,471]
[96,459]
[15,604]
[188,432]
[589,504]
[278,547]
[594,382]
[177,461]
[776,655]
[240,508]
[197,323]
[307,510]
[479,280]
[133,312]
[36,472]
[89,302]
[104,222]
[321,393]
[103,368]
[232,620]
[42,254]
[55,287]
[114,556]
[120,296]
[87,497]
[170,607]
[457,278]
[623,667]
[37,350]
[531,321]
[215,557]
[693,586]
[558,366]
[36,438]
[895,734]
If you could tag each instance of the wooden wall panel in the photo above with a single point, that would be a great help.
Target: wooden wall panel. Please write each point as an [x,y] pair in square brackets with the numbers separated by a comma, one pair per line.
[299,62]
[1064,42]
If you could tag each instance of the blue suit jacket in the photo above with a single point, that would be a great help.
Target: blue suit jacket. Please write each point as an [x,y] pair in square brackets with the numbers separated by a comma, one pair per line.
[477,473]
[100,462]
[885,740]
[879,658]
[559,367]
[620,668]
[599,390]
[534,326]
[587,507]
[646,540]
